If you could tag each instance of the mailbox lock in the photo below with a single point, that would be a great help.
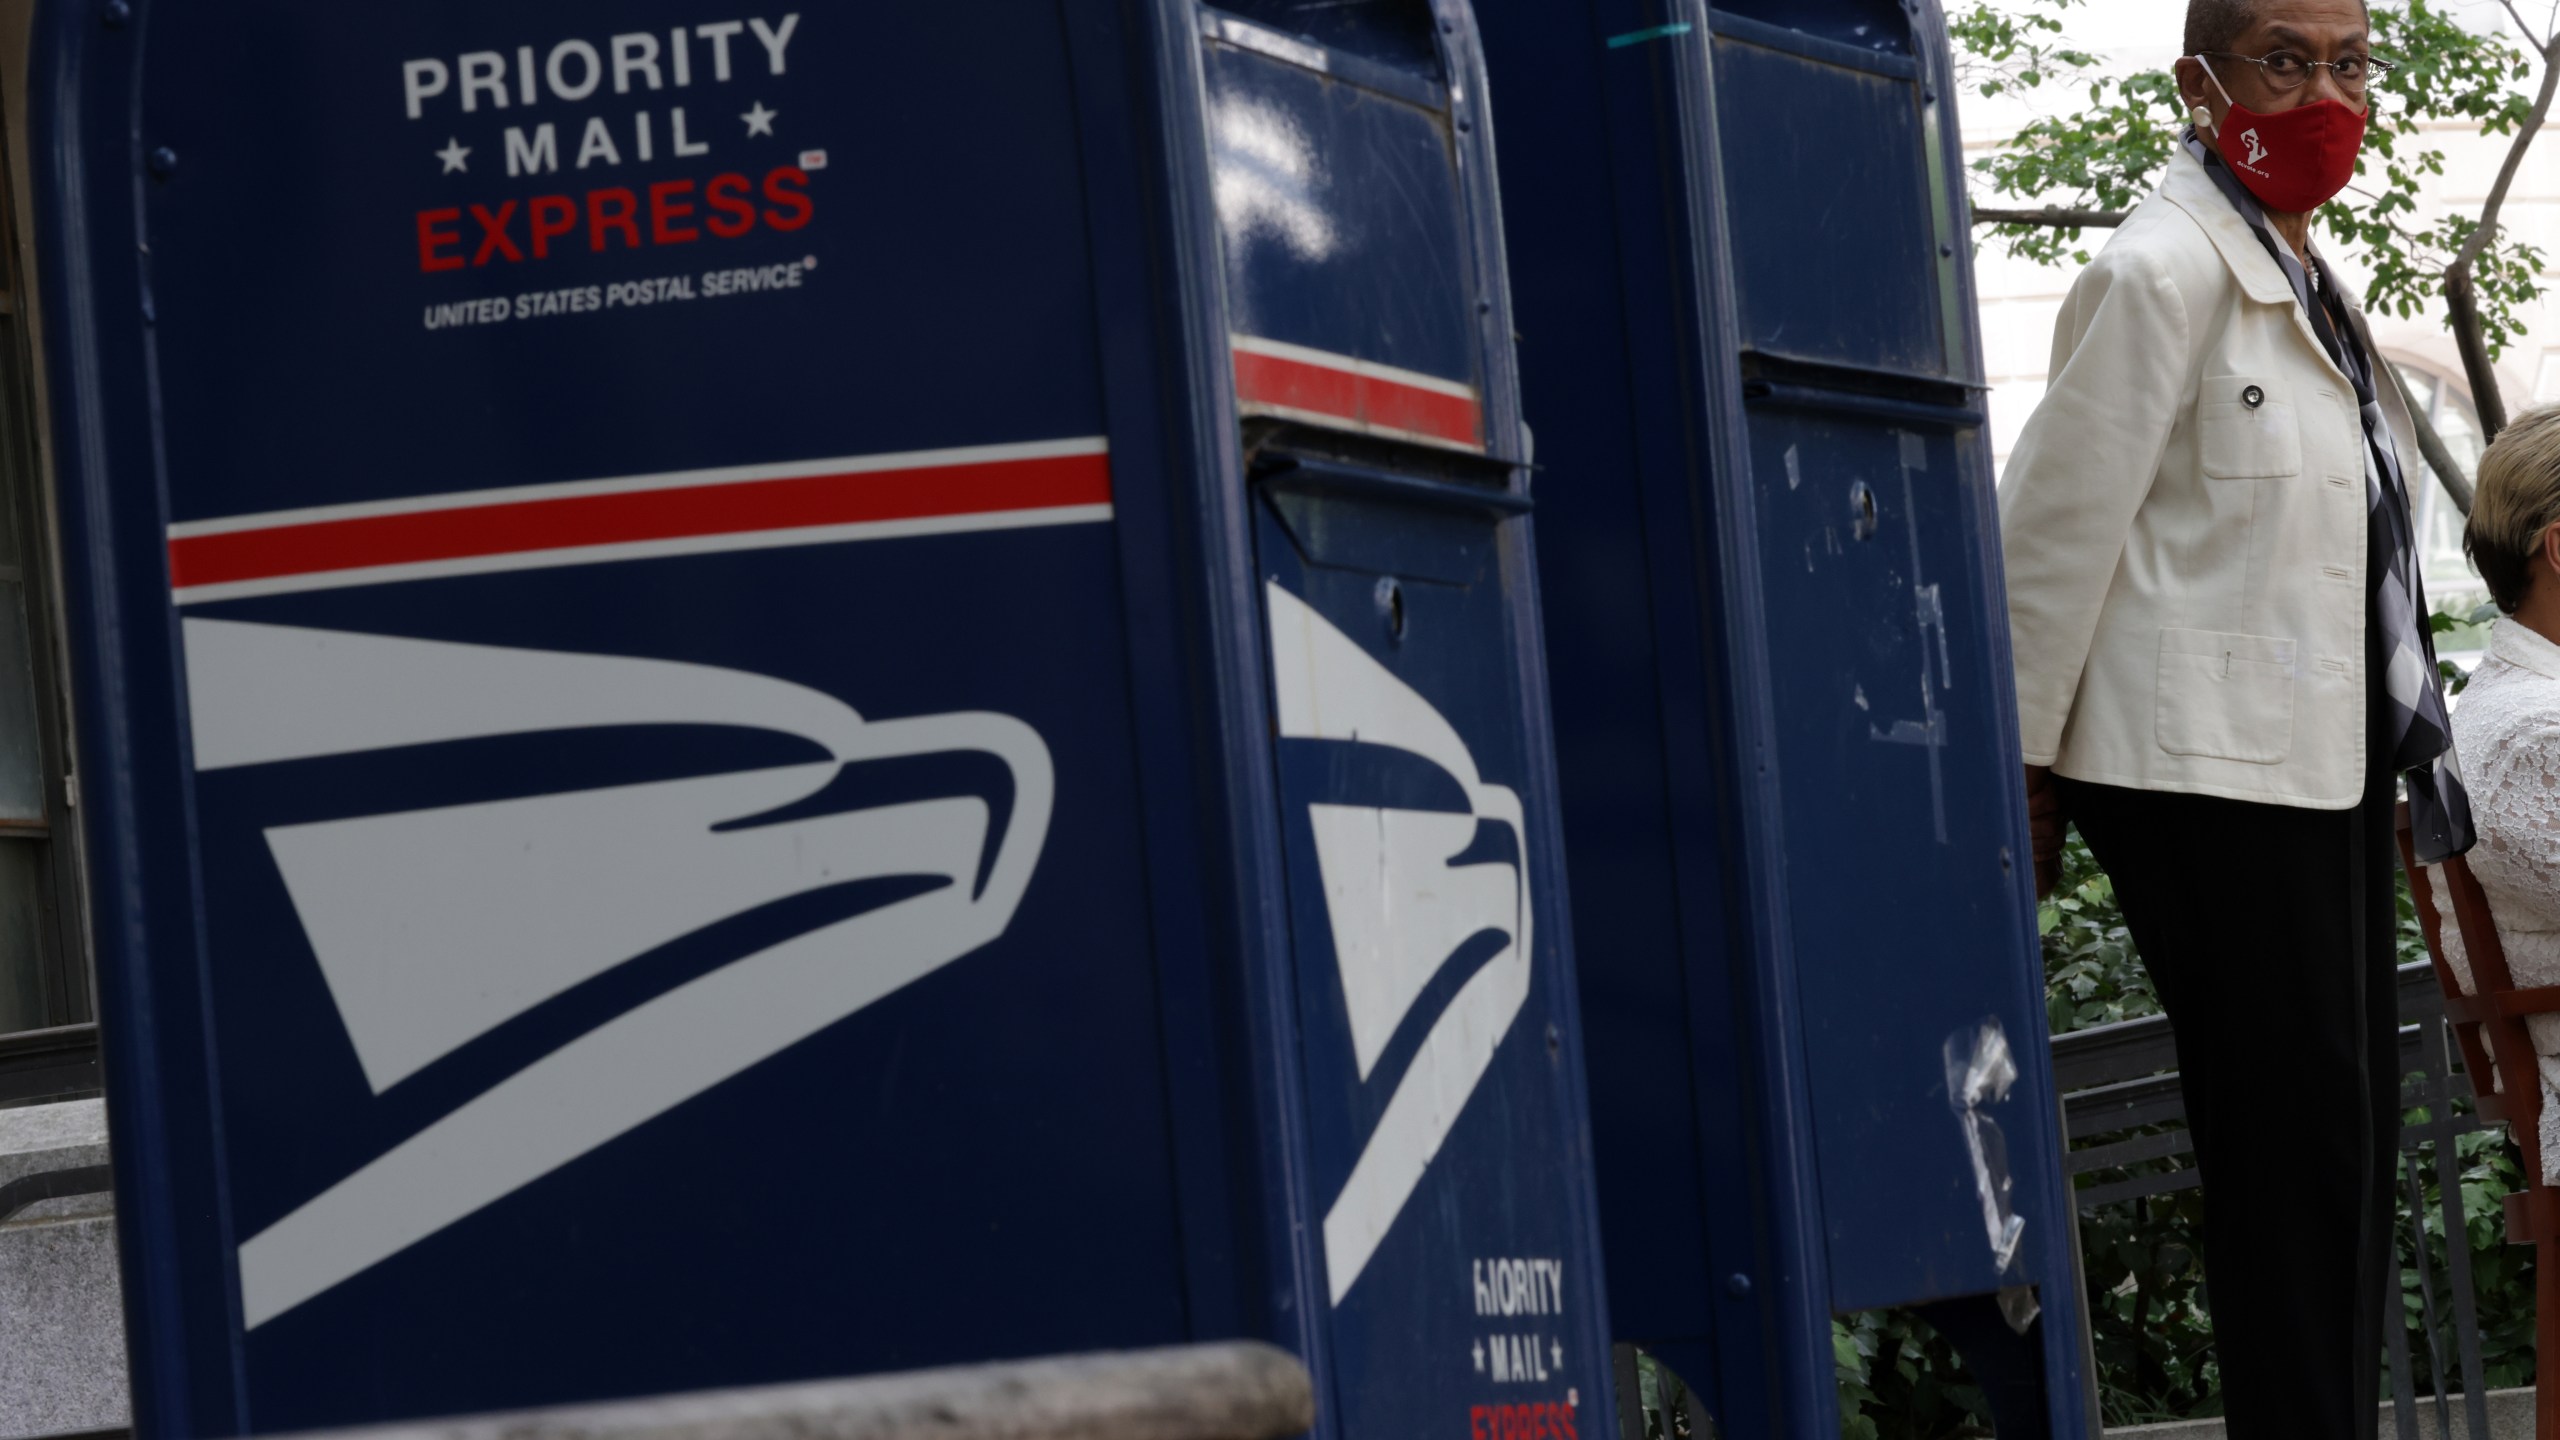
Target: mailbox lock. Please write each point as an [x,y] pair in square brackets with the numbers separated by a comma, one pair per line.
[1862,508]
[1390,599]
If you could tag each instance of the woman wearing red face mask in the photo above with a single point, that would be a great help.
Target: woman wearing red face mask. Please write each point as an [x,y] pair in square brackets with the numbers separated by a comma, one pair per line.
[2224,677]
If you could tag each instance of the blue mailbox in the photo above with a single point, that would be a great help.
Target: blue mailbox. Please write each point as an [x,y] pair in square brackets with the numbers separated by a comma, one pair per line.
[774,693]
[1785,728]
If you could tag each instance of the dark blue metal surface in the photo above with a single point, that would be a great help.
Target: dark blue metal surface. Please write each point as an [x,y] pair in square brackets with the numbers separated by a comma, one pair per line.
[1415,805]
[463,523]
[1784,721]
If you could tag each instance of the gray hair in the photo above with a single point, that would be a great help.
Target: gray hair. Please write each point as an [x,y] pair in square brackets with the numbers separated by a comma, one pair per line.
[2214,25]
[2217,25]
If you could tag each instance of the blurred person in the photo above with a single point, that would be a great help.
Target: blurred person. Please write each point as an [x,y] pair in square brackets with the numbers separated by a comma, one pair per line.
[2224,676]
[2509,723]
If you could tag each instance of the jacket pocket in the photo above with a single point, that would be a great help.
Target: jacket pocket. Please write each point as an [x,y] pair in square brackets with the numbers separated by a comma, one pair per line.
[2246,428]
[2226,697]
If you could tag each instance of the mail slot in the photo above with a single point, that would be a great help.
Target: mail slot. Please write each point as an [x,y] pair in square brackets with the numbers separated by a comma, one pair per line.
[782,693]
[1809,966]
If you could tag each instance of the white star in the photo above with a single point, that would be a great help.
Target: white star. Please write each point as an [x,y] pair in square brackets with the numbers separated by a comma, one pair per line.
[1479,1349]
[760,120]
[1557,1351]
[454,155]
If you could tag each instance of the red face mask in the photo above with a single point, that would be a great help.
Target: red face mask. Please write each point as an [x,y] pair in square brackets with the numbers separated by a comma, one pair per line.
[2293,160]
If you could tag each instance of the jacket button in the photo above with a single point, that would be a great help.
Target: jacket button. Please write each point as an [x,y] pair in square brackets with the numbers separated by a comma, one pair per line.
[2253,397]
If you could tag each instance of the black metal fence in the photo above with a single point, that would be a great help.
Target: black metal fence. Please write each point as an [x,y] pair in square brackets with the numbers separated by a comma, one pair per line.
[2123,1078]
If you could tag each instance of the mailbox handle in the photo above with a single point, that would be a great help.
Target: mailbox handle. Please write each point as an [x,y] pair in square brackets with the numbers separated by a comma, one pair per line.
[1298,472]
[1851,402]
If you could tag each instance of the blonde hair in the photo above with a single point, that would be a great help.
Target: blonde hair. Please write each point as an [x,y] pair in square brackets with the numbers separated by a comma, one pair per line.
[2517,504]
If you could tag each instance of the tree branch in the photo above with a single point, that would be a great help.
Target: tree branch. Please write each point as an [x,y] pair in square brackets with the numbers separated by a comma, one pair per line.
[2460,303]
[2462,314]
[2053,215]
[2449,474]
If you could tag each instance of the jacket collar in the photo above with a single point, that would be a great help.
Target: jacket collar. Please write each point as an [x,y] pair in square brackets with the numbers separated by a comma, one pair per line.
[2261,279]
[2523,648]
[2192,190]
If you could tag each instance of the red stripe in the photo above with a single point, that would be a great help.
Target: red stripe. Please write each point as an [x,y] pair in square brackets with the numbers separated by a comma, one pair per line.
[514,527]
[1365,400]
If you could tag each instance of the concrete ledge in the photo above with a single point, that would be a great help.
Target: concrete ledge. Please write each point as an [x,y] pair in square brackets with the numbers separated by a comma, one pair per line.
[35,1139]
[2510,1418]
[1240,1391]
[61,1301]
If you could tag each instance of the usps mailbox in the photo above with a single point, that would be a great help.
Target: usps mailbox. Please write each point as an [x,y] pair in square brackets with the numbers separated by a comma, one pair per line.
[786,693]
[1810,973]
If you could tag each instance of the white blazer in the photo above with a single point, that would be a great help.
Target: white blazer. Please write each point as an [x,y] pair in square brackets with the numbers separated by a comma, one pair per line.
[2184,524]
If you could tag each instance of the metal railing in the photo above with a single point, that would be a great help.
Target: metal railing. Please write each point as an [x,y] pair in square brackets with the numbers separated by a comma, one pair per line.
[2123,1077]
[1237,1391]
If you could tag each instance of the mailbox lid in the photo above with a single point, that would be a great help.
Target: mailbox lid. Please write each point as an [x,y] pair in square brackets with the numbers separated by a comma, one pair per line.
[1853,188]
[1353,263]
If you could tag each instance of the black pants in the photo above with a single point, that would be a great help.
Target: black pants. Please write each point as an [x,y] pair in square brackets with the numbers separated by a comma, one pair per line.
[2269,934]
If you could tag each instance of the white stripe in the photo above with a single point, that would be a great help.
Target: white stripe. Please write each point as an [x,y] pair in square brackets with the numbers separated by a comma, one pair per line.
[677,480]
[1332,421]
[643,550]
[1371,369]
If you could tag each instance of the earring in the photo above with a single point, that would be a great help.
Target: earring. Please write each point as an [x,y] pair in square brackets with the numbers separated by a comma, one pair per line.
[2202,117]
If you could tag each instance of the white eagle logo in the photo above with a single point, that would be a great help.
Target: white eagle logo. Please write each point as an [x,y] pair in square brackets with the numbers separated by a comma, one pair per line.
[435,926]
[1402,900]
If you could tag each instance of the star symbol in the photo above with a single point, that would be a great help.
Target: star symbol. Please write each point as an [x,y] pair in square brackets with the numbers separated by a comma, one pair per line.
[1479,1349]
[455,156]
[760,120]
[1557,1350]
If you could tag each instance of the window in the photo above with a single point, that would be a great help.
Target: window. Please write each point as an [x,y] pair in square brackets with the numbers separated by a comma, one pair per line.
[44,971]
[2451,582]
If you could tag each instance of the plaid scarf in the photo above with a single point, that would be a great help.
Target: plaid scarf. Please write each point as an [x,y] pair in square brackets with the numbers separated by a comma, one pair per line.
[2419,745]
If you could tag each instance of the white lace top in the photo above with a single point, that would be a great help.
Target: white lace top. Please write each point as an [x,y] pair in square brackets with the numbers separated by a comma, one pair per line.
[2507,730]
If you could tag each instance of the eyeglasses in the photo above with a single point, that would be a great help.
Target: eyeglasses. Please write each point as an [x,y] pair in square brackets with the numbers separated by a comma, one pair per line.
[2285,70]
